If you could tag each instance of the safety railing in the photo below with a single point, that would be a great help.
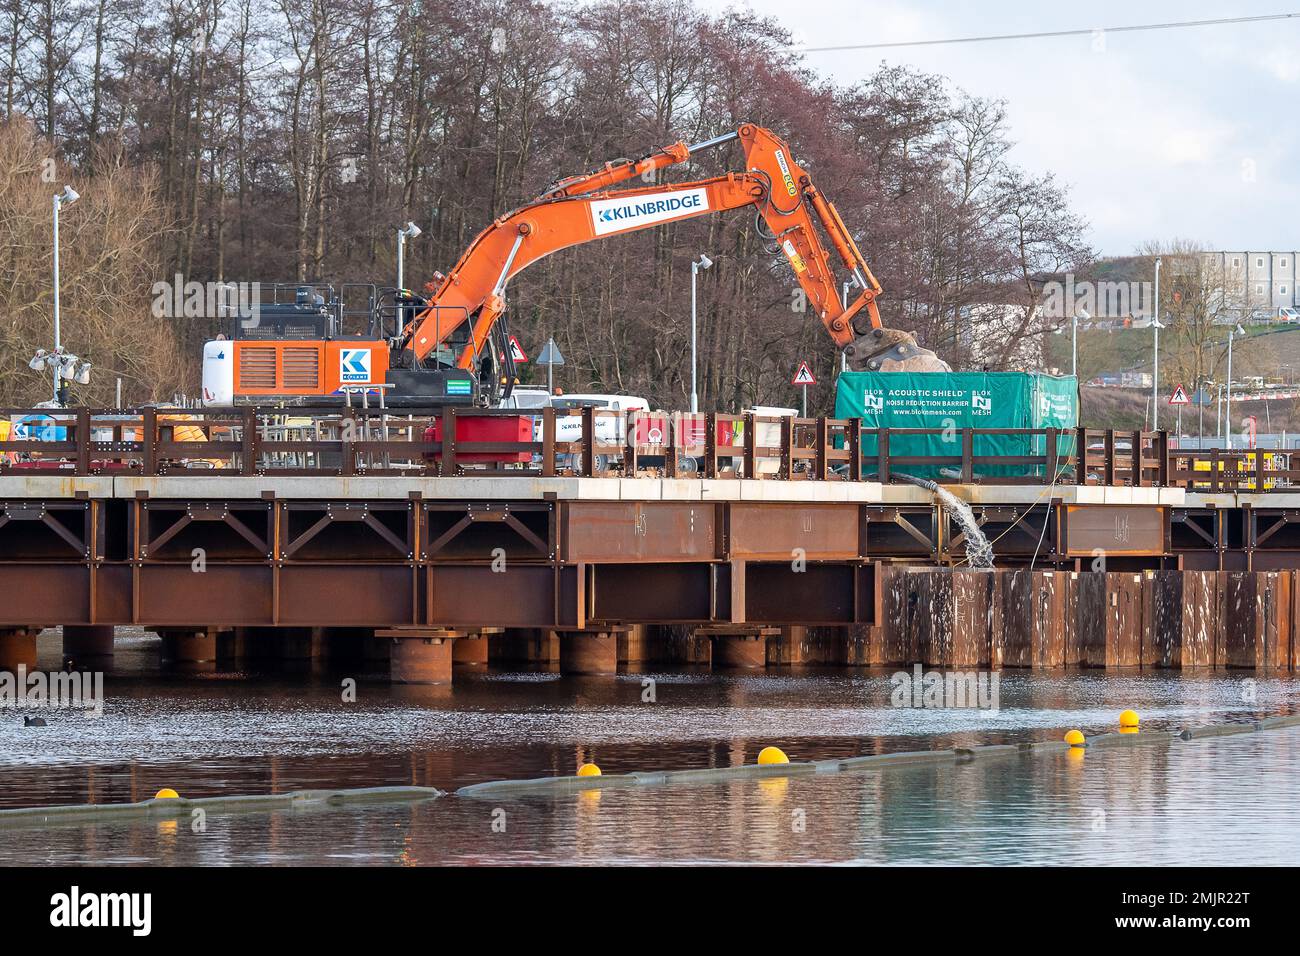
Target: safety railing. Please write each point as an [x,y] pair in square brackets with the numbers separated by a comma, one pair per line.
[598,442]
[1215,470]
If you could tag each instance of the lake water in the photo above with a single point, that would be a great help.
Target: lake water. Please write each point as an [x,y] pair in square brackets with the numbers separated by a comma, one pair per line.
[1225,800]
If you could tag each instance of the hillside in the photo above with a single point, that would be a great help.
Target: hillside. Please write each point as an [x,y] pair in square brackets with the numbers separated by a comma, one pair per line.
[1267,351]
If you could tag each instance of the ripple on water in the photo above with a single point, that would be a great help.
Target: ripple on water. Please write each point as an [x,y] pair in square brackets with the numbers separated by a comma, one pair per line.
[227,734]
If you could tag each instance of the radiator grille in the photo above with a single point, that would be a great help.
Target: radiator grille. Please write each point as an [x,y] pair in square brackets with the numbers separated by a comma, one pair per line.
[301,369]
[257,368]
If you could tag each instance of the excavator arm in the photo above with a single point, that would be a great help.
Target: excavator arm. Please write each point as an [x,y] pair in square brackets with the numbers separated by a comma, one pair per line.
[583,208]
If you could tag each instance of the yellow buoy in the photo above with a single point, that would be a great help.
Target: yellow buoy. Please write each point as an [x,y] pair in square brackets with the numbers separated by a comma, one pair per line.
[770,755]
[1074,738]
[588,770]
[1128,718]
[166,793]
[1128,730]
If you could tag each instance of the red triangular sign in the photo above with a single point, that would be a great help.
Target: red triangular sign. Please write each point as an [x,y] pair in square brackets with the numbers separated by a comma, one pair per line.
[516,351]
[804,376]
[1179,397]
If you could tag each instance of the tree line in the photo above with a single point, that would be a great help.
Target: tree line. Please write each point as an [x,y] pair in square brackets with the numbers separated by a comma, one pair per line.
[288,139]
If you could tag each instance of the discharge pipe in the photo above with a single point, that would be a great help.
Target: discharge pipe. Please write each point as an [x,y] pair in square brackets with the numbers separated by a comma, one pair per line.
[979,552]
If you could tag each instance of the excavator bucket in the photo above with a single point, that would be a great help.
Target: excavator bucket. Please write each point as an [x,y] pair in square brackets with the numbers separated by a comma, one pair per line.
[891,350]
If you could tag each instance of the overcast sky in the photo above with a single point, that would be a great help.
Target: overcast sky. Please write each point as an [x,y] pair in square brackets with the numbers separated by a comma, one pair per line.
[1188,133]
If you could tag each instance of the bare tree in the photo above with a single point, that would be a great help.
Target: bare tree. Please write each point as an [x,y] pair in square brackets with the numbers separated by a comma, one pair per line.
[289,137]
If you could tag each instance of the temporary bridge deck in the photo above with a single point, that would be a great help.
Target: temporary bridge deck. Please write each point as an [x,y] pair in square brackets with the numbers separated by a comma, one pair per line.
[176,519]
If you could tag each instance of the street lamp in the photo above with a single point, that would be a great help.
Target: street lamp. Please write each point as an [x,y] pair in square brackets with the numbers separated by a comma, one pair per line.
[409,231]
[1227,424]
[1155,374]
[844,302]
[703,262]
[1085,315]
[1155,370]
[64,365]
[69,196]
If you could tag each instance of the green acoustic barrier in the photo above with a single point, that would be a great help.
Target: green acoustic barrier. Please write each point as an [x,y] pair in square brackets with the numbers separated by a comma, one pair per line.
[956,400]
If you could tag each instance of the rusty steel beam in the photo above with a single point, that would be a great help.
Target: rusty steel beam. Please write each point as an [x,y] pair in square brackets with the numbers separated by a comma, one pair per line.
[1122,530]
[616,531]
[779,531]
[665,593]
[547,563]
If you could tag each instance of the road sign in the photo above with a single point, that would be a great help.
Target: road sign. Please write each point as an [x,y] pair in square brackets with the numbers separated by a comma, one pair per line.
[1179,397]
[804,376]
[517,351]
[550,357]
[550,354]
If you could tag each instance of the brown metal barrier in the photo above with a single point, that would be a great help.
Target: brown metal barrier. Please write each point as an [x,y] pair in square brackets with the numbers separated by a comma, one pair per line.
[1056,464]
[596,442]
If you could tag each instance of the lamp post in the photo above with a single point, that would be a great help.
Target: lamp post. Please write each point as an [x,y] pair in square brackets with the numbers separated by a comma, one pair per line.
[69,196]
[1155,365]
[703,262]
[1084,315]
[1155,374]
[1074,341]
[1218,411]
[409,231]
[844,303]
[1200,415]
[1227,424]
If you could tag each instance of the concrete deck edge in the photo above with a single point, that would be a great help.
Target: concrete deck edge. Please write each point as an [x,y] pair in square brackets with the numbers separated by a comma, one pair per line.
[489,487]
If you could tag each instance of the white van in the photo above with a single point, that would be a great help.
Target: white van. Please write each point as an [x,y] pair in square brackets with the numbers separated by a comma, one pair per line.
[613,403]
[610,429]
[527,397]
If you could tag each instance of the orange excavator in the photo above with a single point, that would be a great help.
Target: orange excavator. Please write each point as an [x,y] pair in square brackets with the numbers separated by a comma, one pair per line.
[447,344]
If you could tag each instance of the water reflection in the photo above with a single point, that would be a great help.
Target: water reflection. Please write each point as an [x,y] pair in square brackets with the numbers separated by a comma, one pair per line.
[225,733]
[1216,801]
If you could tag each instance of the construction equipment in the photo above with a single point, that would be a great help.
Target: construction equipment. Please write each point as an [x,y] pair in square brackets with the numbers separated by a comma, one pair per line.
[459,327]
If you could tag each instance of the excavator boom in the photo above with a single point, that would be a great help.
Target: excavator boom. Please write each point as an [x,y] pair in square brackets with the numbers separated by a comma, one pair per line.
[585,208]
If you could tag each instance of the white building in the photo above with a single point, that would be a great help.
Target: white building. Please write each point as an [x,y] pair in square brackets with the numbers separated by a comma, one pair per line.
[1263,281]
